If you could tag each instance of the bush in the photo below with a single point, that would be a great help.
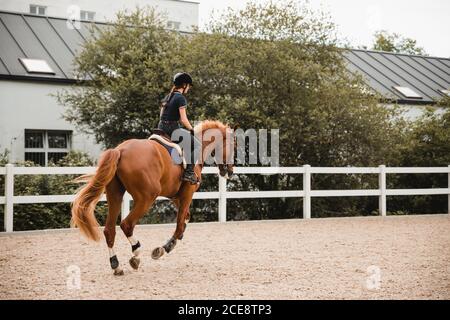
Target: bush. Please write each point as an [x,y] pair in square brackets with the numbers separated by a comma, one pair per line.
[428,146]
[57,215]
[45,215]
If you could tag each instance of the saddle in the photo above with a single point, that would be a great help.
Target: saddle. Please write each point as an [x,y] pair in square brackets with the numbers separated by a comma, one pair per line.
[175,151]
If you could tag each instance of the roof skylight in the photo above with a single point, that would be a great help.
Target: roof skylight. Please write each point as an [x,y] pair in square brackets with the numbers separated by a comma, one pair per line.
[408,92]
[36,66]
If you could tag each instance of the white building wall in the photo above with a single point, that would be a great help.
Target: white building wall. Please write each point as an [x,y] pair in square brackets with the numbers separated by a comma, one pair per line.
[28,105]
[186,12]
[414,112]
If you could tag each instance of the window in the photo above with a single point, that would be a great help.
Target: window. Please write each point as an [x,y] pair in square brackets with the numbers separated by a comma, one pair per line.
[36,66]
[36,157]
[45,146]
[40,10]
[175,25]
[57,140]
[87,15]
[34,140]
[407,92]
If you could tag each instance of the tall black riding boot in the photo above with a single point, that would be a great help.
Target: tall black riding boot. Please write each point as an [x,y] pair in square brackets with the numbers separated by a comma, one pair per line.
[189,174]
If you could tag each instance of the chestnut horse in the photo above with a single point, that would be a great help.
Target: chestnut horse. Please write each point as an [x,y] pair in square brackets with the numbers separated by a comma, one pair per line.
[146,170]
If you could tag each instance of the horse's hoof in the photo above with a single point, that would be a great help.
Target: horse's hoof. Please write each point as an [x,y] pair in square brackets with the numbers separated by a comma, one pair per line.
[134,262]
[118,272]
[157,253]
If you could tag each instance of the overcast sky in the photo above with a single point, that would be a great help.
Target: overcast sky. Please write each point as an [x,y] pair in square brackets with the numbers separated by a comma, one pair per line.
[427,21]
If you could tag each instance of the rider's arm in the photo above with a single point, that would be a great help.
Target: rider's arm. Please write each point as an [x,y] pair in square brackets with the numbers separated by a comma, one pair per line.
[183,118]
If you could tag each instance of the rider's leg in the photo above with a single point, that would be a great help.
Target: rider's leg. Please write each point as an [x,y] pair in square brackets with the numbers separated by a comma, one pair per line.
[191,150]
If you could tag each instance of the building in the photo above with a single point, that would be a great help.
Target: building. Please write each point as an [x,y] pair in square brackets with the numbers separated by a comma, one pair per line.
[36,53]
[27,85]
[410,80]
[181,15]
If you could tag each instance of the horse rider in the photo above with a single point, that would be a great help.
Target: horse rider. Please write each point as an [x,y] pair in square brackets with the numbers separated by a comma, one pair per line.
[173,117]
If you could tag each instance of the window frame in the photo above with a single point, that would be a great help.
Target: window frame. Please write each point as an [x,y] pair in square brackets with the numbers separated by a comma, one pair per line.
[174,25]
[407,92]
[46,148]
[42,68]
[84,15]
[37,8]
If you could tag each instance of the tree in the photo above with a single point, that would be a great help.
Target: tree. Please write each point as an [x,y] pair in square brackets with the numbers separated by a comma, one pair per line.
[128,66]
[275,65]
[278,66]
[428,146]
[428,141]
[385,41]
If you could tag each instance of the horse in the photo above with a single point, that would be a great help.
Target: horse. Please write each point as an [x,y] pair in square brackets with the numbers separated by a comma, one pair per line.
[146,170]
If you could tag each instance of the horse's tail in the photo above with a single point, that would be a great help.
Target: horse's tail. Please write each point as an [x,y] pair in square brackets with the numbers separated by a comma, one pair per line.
[86,199]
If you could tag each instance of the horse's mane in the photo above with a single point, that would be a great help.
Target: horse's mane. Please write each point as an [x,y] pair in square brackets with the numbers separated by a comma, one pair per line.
[210,124]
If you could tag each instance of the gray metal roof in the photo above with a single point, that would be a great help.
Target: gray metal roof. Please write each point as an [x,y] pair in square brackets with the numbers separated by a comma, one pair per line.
[50,39]
[38,37]
[382,71]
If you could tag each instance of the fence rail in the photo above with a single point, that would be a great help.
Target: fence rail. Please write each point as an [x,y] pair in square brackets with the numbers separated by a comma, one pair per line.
[9,199]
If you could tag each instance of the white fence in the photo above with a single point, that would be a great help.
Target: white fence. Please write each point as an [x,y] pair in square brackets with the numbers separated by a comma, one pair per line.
[9,199]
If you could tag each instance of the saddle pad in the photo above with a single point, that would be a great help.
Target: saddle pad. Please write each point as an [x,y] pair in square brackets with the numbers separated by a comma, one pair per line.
[175,151]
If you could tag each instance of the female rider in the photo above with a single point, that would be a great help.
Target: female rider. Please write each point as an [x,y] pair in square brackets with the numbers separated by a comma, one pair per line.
[173,112]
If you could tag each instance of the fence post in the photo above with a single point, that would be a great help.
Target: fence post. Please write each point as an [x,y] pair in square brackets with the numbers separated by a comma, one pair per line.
[222,199]
[125,210]
[307,192]
[9,198]
[382,186]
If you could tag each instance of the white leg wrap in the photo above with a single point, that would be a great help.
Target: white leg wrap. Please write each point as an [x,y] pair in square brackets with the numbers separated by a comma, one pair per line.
[132,240]
[111,252]
[117,269]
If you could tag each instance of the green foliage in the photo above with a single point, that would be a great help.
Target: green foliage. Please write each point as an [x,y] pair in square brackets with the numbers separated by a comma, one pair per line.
[393,42]
[275,65]
[4,157]
[267,66]
[130,70]
[272,66]
[444,102]
[428,146]
[46,215]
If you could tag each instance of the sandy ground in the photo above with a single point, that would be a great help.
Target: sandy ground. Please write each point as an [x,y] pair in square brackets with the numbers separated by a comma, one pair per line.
[292,259]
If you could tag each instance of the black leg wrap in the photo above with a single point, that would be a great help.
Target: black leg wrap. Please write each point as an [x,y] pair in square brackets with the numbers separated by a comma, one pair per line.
[135,247]
[170,245]
[114,262]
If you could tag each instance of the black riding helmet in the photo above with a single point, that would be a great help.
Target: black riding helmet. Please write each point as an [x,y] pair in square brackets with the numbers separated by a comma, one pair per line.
[182,78]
